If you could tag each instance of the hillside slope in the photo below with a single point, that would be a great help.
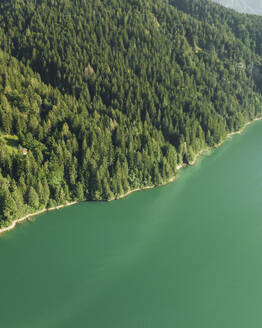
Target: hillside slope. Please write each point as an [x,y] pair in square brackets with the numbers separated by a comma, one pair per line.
[110,96]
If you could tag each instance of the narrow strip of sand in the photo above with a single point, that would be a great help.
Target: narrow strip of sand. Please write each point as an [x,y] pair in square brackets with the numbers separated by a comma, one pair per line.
[15,222]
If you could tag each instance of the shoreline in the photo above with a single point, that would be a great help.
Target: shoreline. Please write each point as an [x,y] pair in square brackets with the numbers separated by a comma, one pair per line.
[228,136]
[149,187]
[178,167]
[28,216]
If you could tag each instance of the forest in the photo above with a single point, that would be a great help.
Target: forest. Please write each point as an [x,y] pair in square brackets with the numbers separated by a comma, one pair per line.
[98,98]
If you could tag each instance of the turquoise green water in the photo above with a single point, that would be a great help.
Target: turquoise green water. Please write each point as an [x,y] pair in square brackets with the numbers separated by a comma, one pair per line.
[186,255]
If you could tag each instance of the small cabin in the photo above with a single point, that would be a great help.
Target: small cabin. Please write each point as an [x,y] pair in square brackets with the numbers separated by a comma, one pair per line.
[25,151]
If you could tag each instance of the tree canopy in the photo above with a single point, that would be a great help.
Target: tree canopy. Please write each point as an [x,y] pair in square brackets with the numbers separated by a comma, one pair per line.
[101,97]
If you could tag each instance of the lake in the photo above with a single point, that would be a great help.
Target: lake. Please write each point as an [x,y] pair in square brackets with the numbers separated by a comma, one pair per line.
[185,255]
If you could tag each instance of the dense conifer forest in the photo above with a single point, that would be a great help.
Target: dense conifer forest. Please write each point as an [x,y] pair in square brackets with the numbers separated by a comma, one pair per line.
[98,98]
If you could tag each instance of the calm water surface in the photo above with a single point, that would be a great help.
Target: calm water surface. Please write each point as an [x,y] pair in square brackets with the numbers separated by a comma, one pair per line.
[186,255]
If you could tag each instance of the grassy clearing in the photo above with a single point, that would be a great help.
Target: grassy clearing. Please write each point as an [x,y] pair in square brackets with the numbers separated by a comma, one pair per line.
[10,142]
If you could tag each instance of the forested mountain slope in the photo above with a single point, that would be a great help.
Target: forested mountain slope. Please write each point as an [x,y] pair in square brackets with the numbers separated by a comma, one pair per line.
[109,96]
[246,28]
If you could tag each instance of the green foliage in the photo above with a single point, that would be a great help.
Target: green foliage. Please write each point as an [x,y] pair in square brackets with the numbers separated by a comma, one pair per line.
[111,96]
